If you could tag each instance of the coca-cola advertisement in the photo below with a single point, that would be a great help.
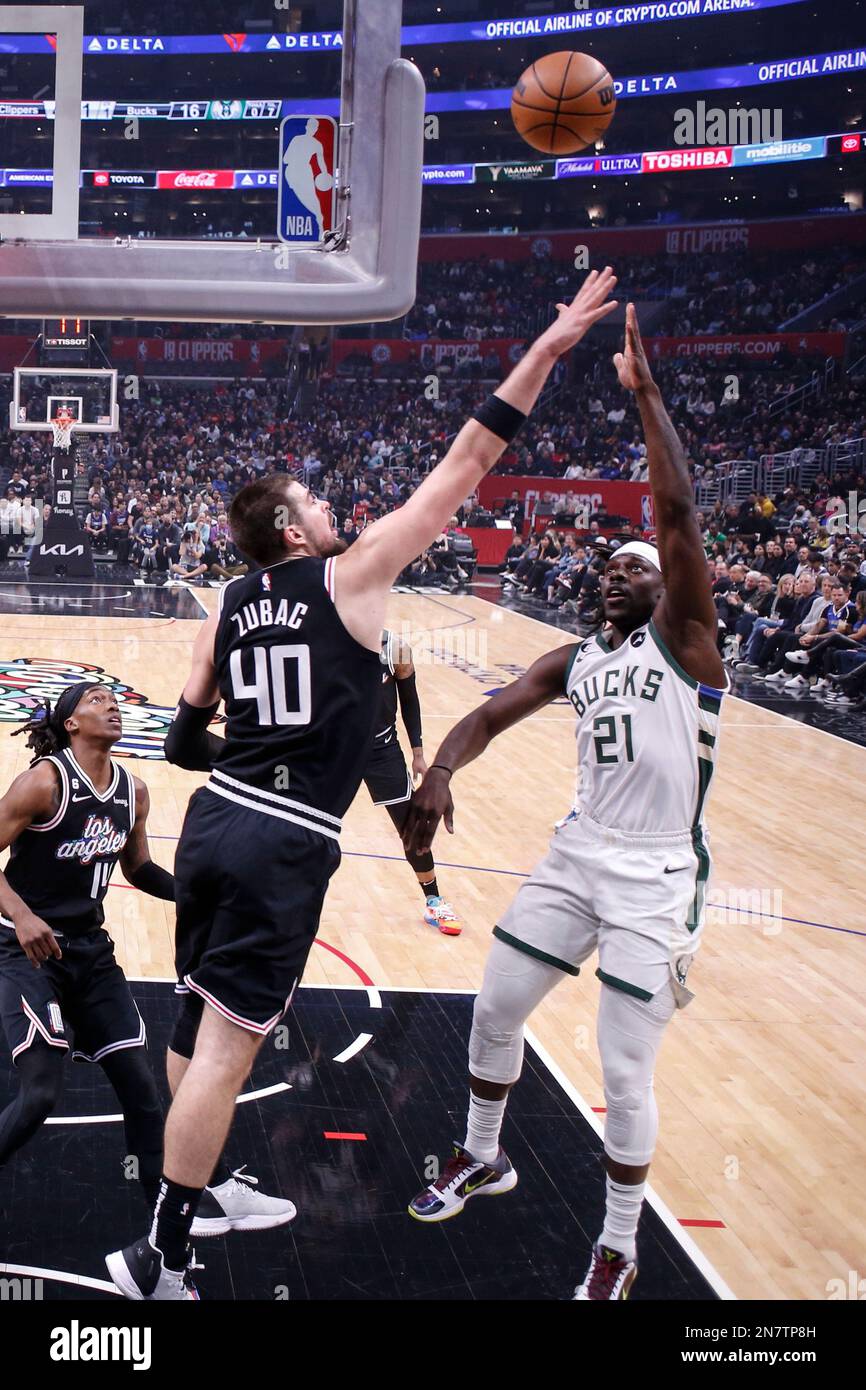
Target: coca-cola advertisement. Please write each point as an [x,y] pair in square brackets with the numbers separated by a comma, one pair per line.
[195,178]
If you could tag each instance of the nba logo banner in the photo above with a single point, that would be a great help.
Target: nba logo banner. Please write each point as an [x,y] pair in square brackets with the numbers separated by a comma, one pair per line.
[307,200]
[646,512]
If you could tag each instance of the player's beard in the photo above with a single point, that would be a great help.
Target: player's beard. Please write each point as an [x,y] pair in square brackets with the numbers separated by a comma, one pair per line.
[335,546]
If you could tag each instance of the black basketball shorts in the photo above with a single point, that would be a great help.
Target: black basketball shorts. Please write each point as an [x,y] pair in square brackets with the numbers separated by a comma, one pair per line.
[82,1001]
[386,775]
[249,890]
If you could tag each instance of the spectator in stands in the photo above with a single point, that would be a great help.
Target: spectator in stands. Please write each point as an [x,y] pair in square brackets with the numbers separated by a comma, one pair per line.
[781,608]
[96,525]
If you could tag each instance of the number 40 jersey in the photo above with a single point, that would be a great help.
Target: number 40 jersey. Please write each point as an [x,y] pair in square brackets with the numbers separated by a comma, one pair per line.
[301,695]
[647,735]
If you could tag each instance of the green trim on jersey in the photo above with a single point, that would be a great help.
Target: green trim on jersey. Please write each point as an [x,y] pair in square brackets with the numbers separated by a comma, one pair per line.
[534,951]
[671,660]
[571,661]
[705,775]
[623,985]
[706,738]
[703,873]
[711,703]
[603,643]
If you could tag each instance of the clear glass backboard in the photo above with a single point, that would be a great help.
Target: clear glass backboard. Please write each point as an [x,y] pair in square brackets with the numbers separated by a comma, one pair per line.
[219,162]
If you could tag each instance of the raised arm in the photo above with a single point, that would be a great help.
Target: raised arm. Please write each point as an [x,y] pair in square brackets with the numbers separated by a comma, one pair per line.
[686,615]
[385,548]
[543,682]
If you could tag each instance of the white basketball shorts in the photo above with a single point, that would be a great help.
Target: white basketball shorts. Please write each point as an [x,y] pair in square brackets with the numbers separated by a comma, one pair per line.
[637,899]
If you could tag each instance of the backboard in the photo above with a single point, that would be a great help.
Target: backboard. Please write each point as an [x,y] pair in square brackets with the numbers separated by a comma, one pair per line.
[272,177]
[89,395]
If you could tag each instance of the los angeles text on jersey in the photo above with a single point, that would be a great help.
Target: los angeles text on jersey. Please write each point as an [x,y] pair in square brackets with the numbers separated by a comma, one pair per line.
[100,836]
[620,682]
[261,614]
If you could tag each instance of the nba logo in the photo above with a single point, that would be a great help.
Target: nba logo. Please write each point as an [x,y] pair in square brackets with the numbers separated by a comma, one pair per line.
[646,512]
[308,152]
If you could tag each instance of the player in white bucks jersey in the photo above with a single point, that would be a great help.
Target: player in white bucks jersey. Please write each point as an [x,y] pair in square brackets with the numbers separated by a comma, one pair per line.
[626,872]
[294,655]
[69,820]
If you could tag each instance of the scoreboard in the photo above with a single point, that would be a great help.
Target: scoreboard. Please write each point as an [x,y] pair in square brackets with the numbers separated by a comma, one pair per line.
[69,336]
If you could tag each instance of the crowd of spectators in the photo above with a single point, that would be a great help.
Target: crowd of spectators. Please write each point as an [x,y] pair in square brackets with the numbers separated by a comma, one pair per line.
[736,293]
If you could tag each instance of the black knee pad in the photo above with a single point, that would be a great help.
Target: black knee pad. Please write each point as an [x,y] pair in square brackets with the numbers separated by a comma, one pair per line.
[186,1028]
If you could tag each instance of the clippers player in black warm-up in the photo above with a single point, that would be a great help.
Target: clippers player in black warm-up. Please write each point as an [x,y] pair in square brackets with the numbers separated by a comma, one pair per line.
[69,820]
[294,653]
[389,781]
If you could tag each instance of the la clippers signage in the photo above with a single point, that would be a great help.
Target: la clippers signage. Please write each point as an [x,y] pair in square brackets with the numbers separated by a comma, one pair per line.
[308,182]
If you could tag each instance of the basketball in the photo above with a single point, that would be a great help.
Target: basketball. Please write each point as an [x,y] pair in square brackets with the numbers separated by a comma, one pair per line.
[563,102]
[324,182]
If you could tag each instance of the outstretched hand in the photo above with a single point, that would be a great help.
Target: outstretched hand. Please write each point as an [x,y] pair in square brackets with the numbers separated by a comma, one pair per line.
[632,367]
[430,803]
[590,304]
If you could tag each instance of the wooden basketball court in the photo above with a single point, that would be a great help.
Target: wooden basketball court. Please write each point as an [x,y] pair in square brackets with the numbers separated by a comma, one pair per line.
[760,1081]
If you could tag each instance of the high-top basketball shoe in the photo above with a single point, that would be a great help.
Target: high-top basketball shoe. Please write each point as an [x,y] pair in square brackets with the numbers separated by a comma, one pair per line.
[236,1205]
[462,1177]
[139,1273]
[609,1277]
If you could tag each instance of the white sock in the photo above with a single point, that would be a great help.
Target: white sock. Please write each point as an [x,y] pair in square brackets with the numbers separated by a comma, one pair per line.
[621,1215]
[483,1126]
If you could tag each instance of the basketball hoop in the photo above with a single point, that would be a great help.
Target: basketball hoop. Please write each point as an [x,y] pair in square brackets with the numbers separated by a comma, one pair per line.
[62,426]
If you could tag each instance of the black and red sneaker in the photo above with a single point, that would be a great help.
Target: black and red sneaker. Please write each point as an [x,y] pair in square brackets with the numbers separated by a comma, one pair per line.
[609,1277]
[462,1177]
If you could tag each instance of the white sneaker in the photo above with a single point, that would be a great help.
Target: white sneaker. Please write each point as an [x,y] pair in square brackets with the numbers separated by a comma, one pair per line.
[140,1274]
[235,1205]
[798,658]
[797,683]
[820,686]
[776,677]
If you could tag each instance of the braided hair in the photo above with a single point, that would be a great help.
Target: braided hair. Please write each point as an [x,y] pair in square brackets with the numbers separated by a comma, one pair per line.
[45,726]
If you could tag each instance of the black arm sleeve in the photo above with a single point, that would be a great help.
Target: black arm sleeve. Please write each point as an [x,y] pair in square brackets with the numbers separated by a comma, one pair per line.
[188,743]
[153,879]
[410,708]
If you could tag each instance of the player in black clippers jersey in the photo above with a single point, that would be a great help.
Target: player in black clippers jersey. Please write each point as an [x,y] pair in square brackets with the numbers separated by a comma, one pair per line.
[294,654]
[387,778]
[68,821]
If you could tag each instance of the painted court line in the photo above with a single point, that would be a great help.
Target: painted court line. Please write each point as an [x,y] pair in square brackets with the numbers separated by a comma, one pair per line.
[695,1254]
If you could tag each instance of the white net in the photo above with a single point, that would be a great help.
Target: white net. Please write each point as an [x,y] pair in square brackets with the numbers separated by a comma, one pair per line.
[62,428]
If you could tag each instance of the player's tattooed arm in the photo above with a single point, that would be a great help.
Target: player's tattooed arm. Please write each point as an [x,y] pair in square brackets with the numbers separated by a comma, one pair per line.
[33,798]
[432,802]
[135,861]
[686,616]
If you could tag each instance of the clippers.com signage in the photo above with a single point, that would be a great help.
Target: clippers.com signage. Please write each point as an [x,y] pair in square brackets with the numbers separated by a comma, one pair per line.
[755,345]
[195,178]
